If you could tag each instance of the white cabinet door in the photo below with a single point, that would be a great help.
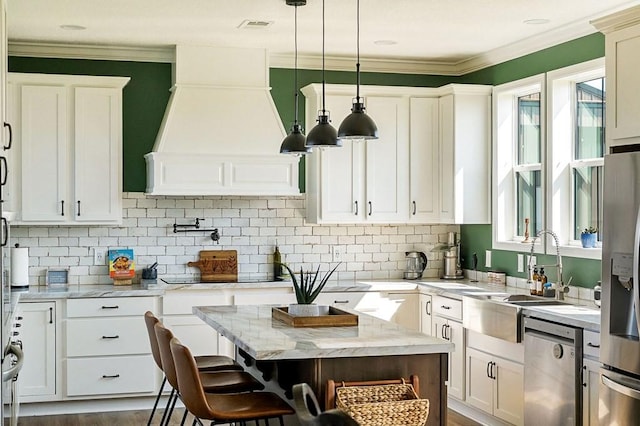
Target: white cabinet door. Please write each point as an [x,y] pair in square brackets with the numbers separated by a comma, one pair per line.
[508,391]
[44,142]
[590,392]
[97,154]
[623,83]
[387,158]
[465,155]
[401,309]
[426,311]
[424,161]
[454,332]
[199,337]
[37,379]
[479,380]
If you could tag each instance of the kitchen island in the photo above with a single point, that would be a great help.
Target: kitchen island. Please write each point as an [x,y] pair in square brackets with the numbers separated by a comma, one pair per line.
[282,355]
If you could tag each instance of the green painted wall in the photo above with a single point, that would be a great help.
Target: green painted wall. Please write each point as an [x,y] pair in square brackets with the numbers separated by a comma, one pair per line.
[477,238]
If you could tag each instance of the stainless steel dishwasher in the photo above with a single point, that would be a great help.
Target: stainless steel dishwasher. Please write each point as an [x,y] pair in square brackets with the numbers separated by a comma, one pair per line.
[552,373]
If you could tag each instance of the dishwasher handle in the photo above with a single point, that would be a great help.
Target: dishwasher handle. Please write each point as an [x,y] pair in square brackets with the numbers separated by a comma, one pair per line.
[620,388]
[549,337]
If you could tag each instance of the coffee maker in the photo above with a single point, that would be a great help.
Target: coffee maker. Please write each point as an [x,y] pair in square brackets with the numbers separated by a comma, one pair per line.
[416,264]
[452,267]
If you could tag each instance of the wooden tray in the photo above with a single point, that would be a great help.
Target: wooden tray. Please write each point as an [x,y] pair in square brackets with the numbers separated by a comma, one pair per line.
[336,318]
[217,266]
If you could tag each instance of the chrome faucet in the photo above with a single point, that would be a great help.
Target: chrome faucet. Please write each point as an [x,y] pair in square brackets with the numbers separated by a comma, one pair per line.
[561,289]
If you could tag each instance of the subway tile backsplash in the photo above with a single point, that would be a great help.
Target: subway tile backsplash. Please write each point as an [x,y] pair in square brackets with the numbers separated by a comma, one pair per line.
[250,225]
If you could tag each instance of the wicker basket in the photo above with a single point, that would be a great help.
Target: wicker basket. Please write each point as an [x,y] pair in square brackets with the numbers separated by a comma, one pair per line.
[383,405]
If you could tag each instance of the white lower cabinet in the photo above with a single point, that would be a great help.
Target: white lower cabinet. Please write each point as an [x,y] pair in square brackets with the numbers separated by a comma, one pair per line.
[37,379]
[107,347]
[495,384]
[591,378]
[426,314]
[452,331]
[198,336]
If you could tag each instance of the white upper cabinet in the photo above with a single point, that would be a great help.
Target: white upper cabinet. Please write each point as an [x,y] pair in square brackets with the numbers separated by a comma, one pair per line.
[465,154]
[362,181]
[431,163]
[69,161]
[622,43]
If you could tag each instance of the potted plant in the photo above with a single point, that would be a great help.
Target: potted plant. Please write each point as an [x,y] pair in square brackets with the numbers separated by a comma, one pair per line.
[589,237]
[307,290]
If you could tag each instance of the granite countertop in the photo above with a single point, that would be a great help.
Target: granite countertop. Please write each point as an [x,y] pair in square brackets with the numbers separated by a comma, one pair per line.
[252,329]
[579,313]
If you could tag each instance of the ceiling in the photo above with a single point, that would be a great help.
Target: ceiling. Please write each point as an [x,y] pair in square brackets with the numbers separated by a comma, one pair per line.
[422,35]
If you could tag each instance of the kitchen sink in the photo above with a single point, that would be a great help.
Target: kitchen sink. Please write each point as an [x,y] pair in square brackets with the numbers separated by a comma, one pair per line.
[529,300]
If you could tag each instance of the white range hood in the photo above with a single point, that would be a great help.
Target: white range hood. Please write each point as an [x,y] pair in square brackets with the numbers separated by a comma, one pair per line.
[221,132]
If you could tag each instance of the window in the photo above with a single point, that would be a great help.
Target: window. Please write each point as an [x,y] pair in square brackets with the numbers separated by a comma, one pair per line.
[548,148]
[518,153]
[588,161]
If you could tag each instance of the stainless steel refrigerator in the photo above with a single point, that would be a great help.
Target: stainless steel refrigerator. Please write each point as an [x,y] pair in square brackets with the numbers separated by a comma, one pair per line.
[620,340]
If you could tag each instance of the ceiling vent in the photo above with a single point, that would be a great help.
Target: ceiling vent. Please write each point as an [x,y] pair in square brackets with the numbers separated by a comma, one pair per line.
[248,24]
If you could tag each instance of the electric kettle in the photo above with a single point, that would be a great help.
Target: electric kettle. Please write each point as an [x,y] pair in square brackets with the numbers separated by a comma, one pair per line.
[415,266]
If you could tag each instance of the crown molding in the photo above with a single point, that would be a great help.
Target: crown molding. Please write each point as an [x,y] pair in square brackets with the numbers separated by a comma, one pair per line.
[97,52]
[617,21]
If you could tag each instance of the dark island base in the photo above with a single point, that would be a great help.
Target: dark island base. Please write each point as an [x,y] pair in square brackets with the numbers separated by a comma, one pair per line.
[431,370]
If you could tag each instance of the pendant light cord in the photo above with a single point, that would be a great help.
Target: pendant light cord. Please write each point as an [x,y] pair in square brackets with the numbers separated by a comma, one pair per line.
[358,51]
[295,75]
[324,111]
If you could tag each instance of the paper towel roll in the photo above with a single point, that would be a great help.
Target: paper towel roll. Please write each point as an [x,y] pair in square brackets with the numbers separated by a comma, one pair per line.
[19,267]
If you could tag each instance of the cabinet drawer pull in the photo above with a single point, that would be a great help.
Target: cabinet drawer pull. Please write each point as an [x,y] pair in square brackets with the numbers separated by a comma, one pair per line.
[356,211]
[78,207]
[5,232]
[62,208]
[50,315]
[110,307]
[111,337]
[112,376]
[414,208]
[593,345]
[4,168]
[427,307]
[370,207]
[340,301]
[489,369]
[445,307]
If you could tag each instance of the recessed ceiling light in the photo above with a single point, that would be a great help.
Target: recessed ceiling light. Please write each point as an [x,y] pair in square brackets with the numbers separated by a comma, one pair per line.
[254,24]
[72,27]
[536,21]
[385,42]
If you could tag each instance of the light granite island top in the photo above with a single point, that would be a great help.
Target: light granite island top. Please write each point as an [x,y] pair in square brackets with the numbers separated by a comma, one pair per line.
[252,329]
[281,355]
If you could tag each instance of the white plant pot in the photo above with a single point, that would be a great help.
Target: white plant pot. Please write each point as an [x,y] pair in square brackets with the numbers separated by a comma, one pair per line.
[308,310]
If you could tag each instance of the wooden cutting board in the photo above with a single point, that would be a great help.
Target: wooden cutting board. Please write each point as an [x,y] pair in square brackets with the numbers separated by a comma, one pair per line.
[217,266]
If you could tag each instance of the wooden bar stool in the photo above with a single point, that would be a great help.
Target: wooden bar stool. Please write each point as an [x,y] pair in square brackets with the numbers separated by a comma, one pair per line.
[222,408]
[205,363]
[232,381]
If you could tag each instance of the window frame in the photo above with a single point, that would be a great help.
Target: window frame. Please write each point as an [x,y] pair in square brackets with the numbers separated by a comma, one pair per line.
[504,141]
[561,84]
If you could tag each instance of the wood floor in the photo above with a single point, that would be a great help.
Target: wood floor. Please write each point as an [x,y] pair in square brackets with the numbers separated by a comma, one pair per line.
[126,418]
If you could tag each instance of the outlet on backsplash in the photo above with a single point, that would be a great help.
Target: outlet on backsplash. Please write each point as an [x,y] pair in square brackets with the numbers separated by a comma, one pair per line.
[99,256]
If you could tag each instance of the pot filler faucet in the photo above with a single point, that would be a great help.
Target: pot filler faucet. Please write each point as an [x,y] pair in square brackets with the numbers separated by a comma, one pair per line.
[561,289]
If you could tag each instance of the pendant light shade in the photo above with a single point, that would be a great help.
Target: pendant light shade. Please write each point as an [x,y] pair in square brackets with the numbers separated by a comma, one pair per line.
[295,142]
[323,135]
[358,125]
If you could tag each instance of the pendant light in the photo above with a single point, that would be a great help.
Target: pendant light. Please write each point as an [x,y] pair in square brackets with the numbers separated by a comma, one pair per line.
[358,125]
[323,135]
[295,142]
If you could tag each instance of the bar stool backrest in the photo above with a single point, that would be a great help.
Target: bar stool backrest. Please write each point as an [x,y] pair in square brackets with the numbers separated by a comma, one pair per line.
[151,320]
[164,336]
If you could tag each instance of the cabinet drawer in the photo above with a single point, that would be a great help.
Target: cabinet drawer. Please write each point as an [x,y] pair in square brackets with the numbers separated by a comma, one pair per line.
[110,375]
[107,336]
[447,307]
[591,344]
[182,302]
[110,306]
